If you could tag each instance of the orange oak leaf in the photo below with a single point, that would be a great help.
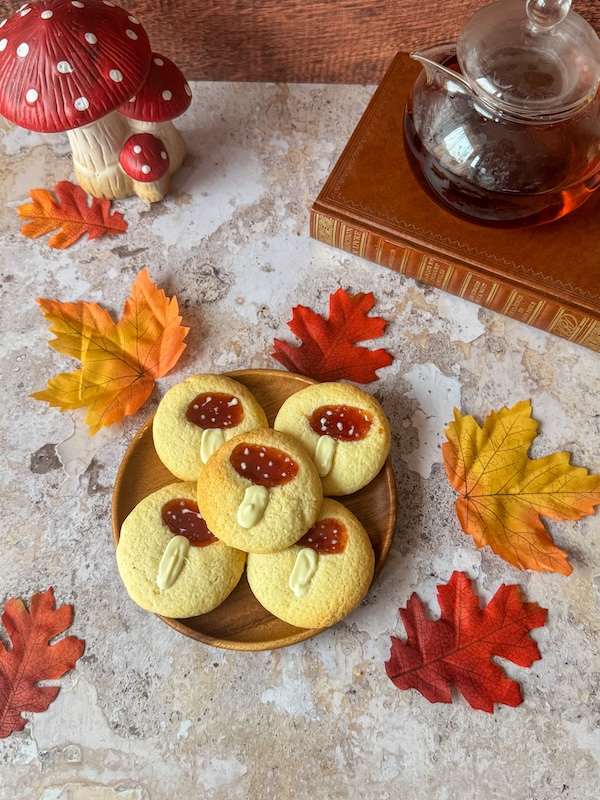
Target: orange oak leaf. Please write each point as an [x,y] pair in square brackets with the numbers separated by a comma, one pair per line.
[504,492]
[328,351]
[456,649]
[33,658]
[74,213]
[119,362]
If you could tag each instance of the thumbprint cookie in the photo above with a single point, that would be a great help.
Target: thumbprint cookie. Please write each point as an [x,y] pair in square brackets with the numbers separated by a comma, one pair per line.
[170,561]
[343,428]
[320,579]
[260,492]
[196,416]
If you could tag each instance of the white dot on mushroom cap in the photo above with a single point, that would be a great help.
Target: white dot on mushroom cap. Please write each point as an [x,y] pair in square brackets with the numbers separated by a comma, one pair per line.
[137,149]
[31,96]
[22,50]
[82,104]
[47,14]
[163,155]
[133,19]
[91,38]
[131,34]
[3,23]
[188,91]
[116,75]
[146,169]
[132,99]
[77,4]
[159,62]
[3,43]
[167,95]
[108,3]
[64,67]
[25,11]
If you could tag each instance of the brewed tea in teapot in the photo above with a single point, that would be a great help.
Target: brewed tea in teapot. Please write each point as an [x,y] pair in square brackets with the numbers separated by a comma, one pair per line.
[503,126]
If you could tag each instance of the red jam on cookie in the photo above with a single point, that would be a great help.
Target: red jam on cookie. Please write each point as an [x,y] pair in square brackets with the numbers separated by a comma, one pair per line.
[182,518]
[264,466]
[343,423]
[215,410]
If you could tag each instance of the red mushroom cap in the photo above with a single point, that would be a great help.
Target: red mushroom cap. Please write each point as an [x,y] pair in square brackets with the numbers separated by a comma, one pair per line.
[144,158]
[67,63]
[165,95]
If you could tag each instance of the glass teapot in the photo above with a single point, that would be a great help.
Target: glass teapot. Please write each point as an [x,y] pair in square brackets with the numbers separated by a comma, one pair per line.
[502,127]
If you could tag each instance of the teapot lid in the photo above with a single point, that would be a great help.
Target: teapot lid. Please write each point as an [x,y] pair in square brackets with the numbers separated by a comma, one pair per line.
[532,57]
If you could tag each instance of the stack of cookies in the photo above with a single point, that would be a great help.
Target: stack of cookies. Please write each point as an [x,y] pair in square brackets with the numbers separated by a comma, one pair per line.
[259,497]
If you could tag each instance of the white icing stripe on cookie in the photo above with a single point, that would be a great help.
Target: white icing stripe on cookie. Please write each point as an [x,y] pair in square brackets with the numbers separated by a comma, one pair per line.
[212,439]
[172,561]
[305,567]
[252,506]
[324,453]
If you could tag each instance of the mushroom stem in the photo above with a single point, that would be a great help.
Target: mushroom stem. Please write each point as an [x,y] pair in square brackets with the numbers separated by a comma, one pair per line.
[151,192]
[96,149]
[168,134]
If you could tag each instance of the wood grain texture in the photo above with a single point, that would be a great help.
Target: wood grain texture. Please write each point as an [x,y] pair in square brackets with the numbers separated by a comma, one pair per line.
[241,623]
[313,41]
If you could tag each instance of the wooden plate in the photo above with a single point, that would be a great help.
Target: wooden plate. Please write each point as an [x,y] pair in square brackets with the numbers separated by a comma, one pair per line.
[241,623]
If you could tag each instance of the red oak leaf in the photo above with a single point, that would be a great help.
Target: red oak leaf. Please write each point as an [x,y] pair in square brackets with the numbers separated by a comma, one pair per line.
[328,351]
[457,648]
[32,658]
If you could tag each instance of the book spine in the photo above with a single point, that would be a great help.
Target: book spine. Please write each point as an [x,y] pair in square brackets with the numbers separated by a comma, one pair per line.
[460,280]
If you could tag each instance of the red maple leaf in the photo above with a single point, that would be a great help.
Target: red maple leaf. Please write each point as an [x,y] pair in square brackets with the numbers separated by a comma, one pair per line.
[456,649]
[328,351]
[32,658]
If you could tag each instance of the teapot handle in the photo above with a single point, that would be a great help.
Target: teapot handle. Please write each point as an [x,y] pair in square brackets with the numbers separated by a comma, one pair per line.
[545,14]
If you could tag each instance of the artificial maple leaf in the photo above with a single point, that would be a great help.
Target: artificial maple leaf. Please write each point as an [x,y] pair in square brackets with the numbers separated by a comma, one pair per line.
[75,214]
[457,648]
[32,658]
[121,361]
[504,493]
[328,351]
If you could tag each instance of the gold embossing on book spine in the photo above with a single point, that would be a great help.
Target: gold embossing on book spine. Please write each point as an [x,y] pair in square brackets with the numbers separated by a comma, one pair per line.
[434,272]
[523,307]
[590,337]
[568,325]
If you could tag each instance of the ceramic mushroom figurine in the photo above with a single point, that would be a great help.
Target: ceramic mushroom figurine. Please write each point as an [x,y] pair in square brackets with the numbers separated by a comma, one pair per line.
[67,65]
[145,160]
[164,96]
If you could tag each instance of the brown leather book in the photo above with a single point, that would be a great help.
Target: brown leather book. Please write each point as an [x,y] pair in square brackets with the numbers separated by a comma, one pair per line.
[372,206]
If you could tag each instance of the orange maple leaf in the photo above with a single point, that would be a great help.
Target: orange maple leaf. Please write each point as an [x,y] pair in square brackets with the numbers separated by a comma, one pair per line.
[504,493]
[75,214]
[121,361]
[32,658]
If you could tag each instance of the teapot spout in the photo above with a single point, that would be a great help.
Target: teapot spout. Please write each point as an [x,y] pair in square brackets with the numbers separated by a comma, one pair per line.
[434,59]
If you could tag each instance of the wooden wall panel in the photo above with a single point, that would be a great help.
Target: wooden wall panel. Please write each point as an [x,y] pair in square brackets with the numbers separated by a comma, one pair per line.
[329,41]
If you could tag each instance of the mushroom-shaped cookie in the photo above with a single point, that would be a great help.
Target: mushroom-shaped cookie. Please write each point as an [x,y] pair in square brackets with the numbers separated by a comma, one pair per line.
[164,96]
[259,492]
[168,559]
[321,578]
[344,429]
[66,65]
[197,416]
[145,160]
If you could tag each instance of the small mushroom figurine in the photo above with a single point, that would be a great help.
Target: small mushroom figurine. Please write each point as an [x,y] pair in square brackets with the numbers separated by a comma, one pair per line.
[164,96]
[145,160]
[68,65]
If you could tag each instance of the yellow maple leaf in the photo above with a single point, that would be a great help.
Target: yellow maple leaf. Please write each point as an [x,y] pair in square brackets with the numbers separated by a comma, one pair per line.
[119,361]
[504,492]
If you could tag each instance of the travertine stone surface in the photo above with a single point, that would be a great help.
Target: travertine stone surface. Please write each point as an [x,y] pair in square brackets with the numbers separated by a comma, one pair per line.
[151,715]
